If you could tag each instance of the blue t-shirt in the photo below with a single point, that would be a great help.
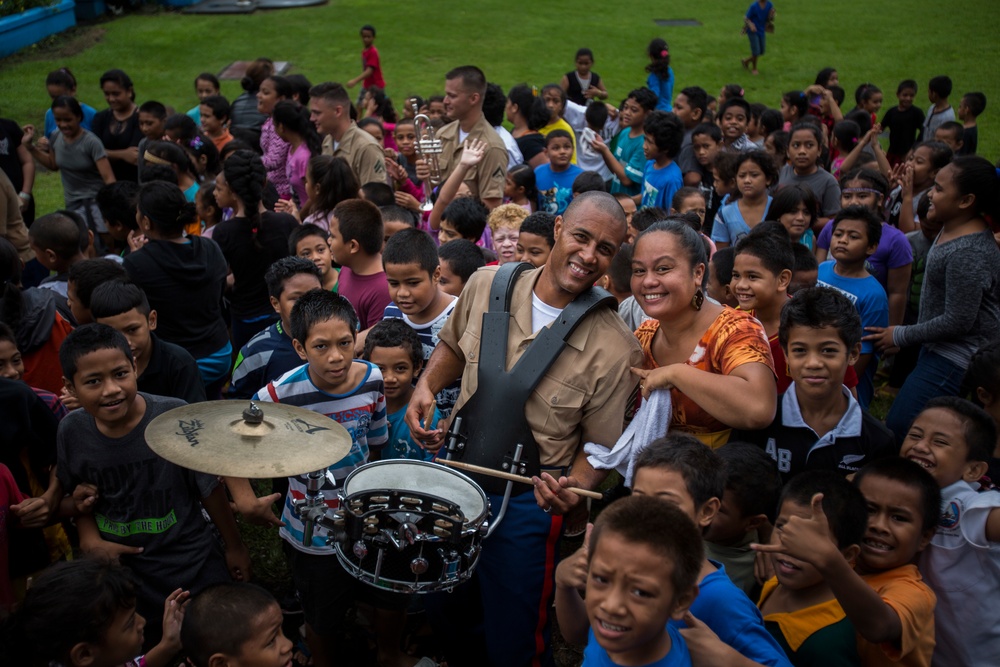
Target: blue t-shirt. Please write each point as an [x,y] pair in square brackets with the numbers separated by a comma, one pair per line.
[758,15]
[88,119]
[401,444]
[659,185]
[730,614]
[595,656]
[428,333]
[555,188]
[628,151]
[868,296]
[729,226]
[664,89]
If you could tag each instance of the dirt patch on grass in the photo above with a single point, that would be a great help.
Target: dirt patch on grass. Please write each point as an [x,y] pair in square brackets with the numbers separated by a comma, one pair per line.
[64,45]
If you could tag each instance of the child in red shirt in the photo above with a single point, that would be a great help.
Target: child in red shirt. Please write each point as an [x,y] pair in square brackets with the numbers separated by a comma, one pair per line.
[371,73]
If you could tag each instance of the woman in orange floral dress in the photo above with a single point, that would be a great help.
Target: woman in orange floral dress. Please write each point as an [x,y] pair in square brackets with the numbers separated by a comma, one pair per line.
[715,360]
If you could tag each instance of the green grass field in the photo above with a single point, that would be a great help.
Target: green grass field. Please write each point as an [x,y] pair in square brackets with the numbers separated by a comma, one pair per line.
[882,42]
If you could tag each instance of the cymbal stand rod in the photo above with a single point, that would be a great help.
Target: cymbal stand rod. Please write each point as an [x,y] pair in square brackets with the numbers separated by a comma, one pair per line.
[506,492]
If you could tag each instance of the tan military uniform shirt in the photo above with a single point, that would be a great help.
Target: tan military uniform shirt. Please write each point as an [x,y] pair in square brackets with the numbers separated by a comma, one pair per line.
[485,180]
[584,395]
[362,151]
[11,225]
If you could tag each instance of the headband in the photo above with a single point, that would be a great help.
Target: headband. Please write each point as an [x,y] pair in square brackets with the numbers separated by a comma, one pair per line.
[153,159]
[856,190]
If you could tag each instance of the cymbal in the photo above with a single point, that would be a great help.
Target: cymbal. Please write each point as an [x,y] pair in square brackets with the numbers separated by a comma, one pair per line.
[255,440]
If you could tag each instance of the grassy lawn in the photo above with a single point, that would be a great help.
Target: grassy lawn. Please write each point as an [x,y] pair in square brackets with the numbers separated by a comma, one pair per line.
[164,51]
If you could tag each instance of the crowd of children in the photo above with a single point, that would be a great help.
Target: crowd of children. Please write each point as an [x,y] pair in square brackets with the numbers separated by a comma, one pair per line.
[293,246]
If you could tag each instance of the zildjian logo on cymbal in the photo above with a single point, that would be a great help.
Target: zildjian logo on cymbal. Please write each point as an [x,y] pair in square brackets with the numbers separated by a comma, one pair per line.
[190,429]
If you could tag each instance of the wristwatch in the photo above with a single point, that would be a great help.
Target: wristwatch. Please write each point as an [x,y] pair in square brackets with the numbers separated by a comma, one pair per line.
[26,196]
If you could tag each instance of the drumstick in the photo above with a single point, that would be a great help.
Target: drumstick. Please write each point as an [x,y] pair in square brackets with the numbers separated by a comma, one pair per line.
[514,478]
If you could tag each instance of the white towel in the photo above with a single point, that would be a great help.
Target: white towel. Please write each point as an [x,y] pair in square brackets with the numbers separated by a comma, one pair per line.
[650,422]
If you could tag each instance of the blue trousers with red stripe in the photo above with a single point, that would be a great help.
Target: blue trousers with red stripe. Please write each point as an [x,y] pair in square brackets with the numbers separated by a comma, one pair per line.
[503,616]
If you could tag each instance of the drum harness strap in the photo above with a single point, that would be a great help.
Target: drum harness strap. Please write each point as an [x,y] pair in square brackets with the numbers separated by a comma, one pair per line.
[491,429]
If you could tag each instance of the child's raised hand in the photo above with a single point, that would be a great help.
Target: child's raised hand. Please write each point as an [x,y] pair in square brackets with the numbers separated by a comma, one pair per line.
[395,169]
[808,539]
[406,200]
[907,181]
[68,399]
[423,170]
[287,206]
[472,152]
[136,241]
[28,134]
[173,618]
[572,572]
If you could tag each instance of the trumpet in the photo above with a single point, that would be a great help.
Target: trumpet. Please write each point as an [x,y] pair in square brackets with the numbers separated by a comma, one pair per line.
[428,148]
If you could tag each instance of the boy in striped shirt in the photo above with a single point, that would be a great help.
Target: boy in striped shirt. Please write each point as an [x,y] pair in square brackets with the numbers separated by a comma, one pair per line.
[349,391]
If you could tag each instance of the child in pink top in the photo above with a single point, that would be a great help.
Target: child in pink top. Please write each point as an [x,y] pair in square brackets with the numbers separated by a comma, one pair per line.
[292,125]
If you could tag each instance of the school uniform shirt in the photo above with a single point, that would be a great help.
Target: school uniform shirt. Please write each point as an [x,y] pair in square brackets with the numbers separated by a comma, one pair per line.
[362,151]
[360,410]
[659,185]
[555,188]
[962,567]
[428,333]
[857,439]
[628,151]
[171,371]
[817,635]
[485,180]
[266,357]
[903,589]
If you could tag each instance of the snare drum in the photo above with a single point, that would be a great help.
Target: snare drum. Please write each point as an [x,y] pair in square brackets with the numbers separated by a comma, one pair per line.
[411,526]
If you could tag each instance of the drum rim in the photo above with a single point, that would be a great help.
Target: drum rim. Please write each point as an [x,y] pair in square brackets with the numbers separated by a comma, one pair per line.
[426,464]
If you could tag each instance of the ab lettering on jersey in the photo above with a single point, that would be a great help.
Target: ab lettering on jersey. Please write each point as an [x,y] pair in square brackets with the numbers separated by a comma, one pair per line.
[782,456]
